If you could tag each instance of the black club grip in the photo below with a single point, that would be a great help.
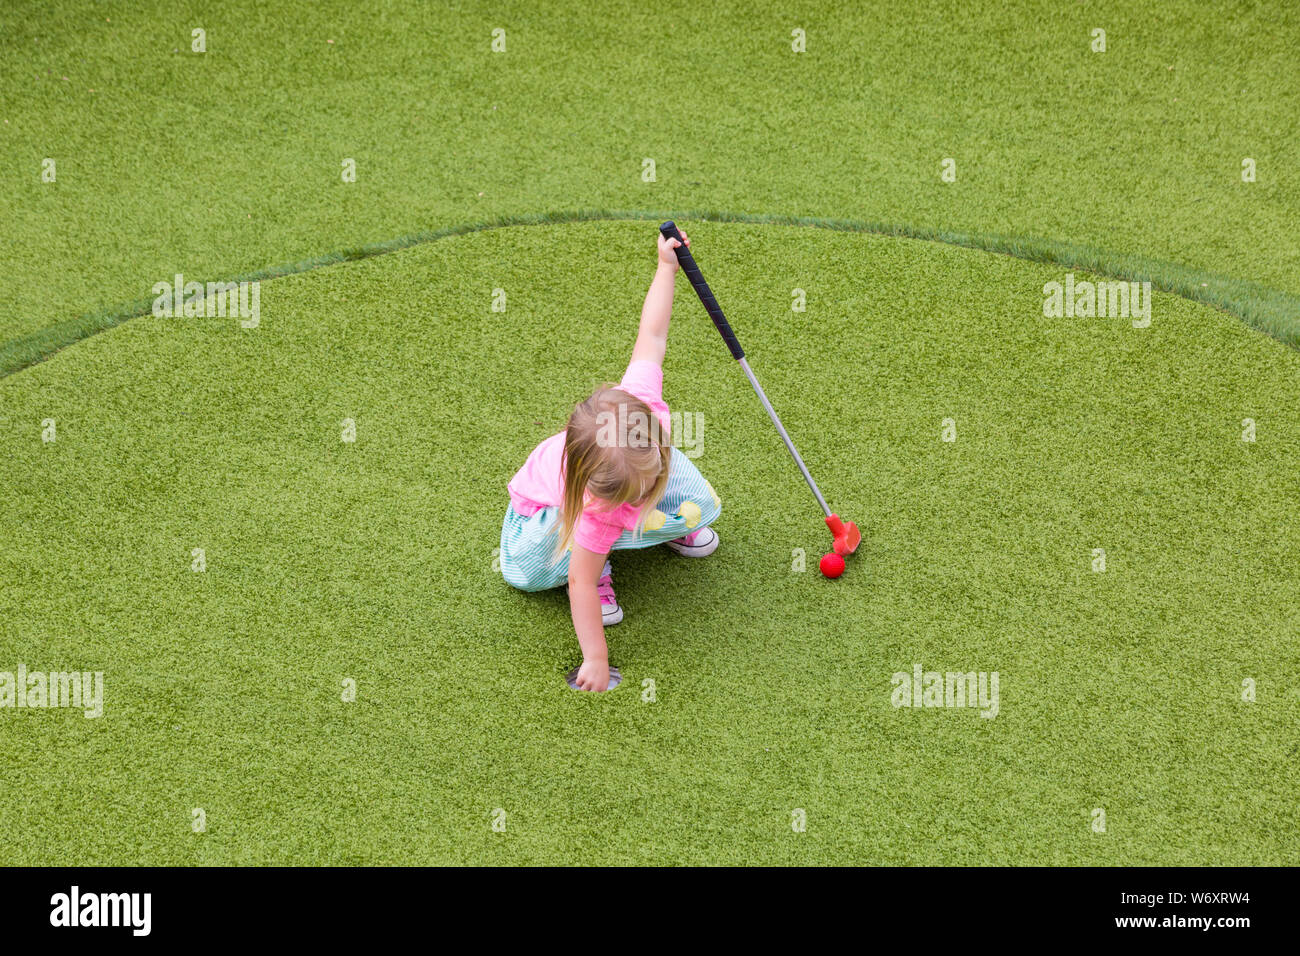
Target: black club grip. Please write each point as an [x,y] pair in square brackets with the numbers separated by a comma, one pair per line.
[687,261]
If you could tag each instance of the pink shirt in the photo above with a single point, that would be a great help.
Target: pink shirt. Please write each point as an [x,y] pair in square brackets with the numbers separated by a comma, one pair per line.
[540,484]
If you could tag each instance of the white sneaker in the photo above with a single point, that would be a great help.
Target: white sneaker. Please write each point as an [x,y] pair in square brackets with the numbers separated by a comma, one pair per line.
[697,544]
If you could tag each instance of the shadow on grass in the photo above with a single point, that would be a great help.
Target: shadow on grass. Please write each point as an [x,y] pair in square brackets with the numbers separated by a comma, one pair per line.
[1268,310]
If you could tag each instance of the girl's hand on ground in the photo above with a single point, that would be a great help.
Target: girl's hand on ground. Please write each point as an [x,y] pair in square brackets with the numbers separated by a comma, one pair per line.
[593,675]
[666,246]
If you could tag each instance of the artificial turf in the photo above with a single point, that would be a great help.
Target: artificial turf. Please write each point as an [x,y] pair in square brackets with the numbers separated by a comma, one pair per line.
[226,162]
[373,561]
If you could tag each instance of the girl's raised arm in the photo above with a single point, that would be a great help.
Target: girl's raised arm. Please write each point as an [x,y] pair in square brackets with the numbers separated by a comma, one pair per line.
[652,337]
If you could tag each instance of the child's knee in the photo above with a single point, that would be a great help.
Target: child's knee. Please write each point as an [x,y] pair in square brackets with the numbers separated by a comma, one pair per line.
[515,578]
[538,577]
[525,582]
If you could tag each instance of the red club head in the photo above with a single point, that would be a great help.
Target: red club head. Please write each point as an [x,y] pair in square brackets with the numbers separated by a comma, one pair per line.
[847,535]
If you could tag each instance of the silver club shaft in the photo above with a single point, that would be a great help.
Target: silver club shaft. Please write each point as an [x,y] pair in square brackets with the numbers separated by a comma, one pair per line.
[794,452]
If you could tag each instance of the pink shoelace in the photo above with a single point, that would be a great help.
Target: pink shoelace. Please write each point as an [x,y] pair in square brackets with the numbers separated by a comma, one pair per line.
[605,588]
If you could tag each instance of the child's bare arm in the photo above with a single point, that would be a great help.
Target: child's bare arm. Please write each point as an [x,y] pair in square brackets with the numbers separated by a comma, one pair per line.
[584,603]
[652,337]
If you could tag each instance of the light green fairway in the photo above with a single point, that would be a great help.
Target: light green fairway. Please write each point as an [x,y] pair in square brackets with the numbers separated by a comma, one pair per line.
[226,162]
[372,561]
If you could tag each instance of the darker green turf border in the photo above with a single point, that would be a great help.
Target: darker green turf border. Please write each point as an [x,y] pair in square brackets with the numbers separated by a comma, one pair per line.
[1268,310]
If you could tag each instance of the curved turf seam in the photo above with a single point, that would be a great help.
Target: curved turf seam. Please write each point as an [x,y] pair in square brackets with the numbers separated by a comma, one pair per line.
[1268,310]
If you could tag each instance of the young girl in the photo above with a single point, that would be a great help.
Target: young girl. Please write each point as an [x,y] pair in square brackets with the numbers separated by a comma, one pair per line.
[611,480]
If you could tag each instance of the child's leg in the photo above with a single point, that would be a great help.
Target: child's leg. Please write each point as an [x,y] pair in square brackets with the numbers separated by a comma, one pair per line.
[689,504]
[527,550]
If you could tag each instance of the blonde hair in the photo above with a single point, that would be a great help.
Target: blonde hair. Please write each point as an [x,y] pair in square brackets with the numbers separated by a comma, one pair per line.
[613,450]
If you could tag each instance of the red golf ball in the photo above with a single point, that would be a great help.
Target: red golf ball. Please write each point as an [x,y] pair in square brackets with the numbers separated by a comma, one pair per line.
[832,565]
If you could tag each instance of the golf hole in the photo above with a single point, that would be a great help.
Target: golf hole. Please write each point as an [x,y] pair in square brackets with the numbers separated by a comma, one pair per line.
[615,678]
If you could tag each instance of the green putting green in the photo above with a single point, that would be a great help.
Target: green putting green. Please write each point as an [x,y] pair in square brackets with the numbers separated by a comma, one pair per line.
[328,561]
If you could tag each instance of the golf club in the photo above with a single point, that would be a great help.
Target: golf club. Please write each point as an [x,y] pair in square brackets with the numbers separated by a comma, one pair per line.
[846,533]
